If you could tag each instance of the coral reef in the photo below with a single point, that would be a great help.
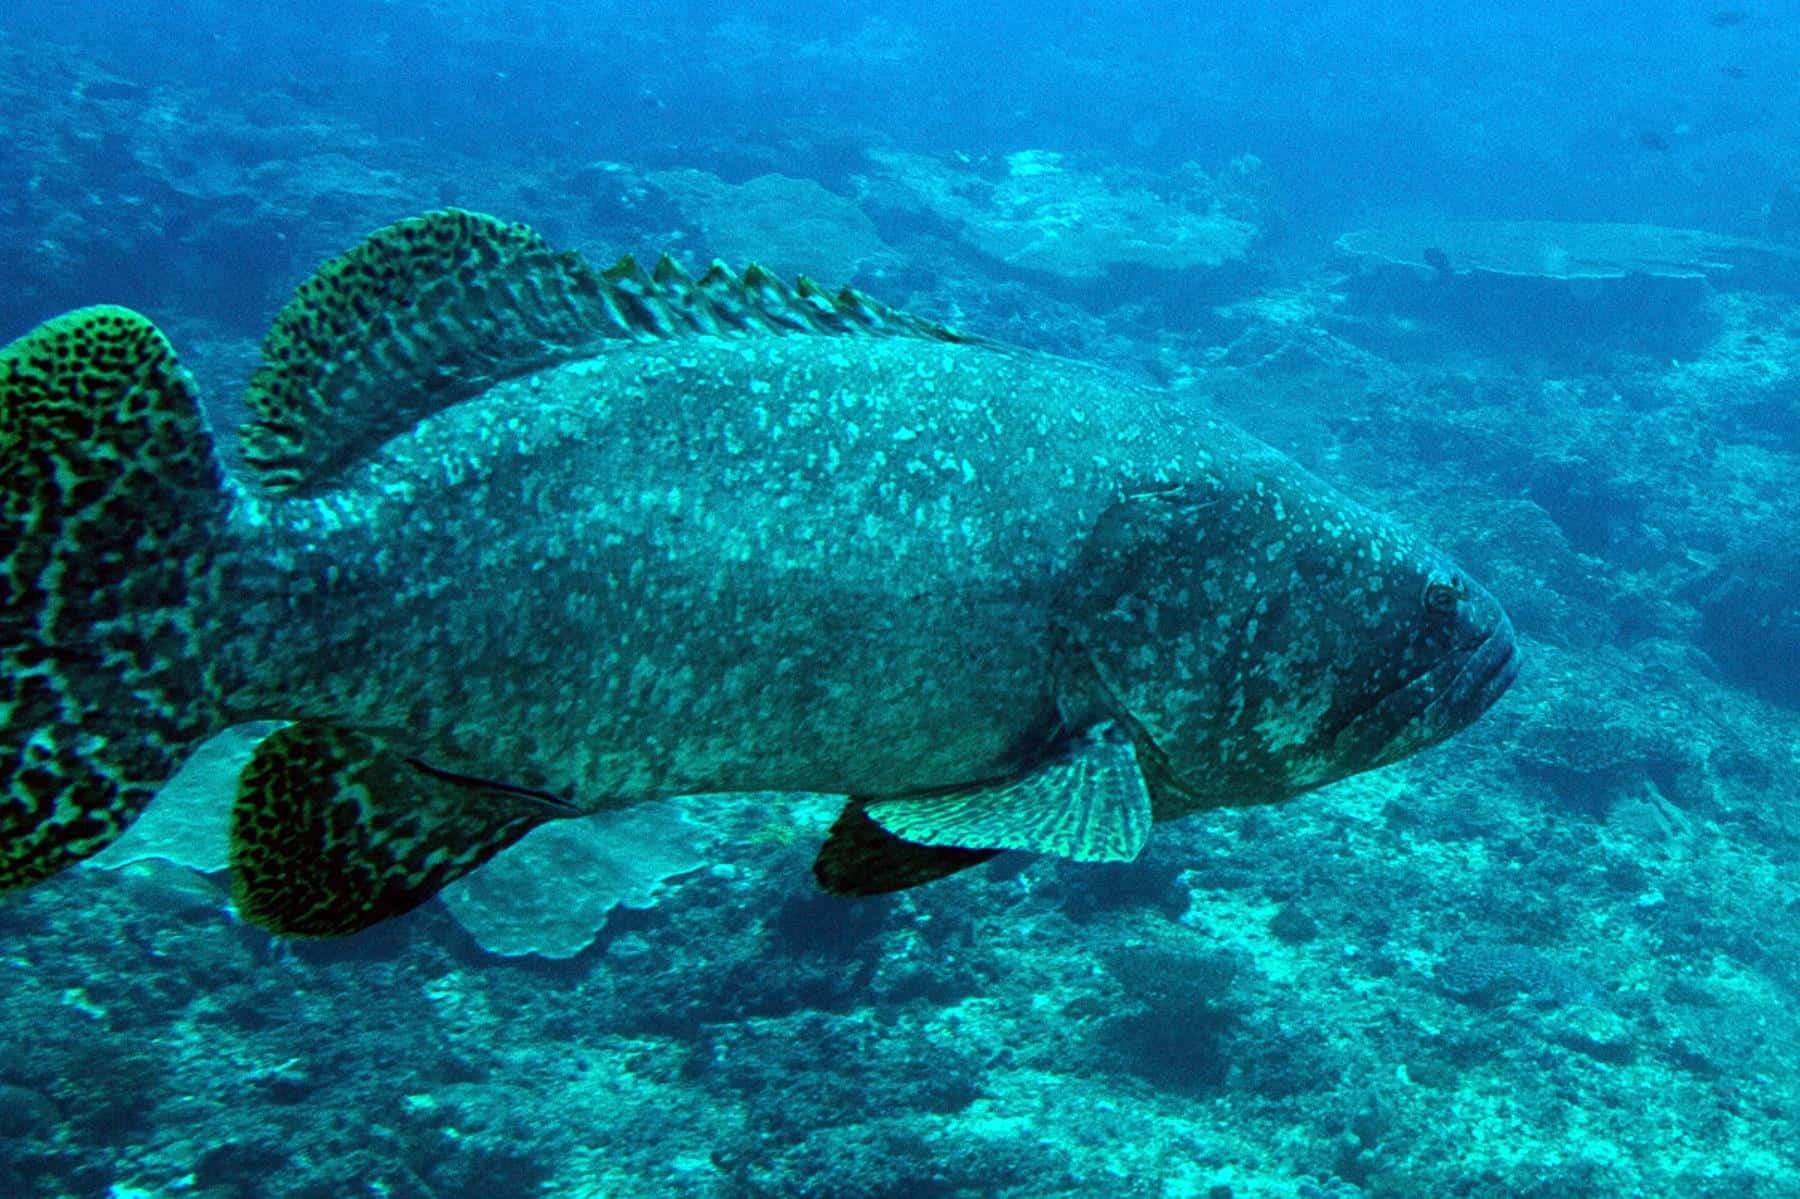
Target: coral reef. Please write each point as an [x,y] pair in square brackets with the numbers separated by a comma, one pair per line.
[1561,283]
[1555,250]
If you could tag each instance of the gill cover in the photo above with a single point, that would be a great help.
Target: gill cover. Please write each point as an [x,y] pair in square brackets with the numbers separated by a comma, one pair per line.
[1262,636]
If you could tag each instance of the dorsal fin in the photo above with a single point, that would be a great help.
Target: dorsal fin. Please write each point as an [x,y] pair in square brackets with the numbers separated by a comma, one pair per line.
[433,309]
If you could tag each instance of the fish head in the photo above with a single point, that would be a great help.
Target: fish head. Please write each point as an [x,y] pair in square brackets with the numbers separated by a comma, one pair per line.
[1261,636]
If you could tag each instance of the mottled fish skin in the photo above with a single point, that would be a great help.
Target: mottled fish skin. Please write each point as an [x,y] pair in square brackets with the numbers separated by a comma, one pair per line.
[801,564]
[786,563]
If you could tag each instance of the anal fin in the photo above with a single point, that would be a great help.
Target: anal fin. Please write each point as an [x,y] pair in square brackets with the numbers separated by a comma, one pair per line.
[333,830]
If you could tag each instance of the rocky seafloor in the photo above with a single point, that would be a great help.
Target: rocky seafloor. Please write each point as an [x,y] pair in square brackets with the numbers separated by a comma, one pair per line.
[1556,957]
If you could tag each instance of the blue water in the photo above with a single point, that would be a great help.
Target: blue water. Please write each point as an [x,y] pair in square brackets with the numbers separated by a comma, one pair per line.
[1535,110]
[1324,998]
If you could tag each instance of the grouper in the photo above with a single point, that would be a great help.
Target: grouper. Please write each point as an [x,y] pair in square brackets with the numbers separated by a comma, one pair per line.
[522,539]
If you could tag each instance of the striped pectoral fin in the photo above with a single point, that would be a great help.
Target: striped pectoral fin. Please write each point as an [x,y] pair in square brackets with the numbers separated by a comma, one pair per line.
[334,830]
[1089,802]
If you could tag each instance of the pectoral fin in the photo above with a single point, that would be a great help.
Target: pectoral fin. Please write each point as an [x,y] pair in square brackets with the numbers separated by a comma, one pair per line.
[1089,803]
[334,830]
[860,857]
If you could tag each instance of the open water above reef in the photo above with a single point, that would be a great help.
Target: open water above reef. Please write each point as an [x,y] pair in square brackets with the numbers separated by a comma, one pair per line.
[1554,957]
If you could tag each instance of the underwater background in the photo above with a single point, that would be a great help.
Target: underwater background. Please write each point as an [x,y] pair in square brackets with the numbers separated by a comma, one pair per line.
[1525,277]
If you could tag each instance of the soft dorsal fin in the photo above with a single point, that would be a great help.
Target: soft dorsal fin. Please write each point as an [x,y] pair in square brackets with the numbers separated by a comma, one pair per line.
[334,830]
[433,309]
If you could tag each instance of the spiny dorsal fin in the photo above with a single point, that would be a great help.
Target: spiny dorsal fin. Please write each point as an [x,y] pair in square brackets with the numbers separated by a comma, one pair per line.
[433,309]
[334,830]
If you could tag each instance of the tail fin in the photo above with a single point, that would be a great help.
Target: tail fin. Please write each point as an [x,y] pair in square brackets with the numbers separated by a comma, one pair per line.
[113,501]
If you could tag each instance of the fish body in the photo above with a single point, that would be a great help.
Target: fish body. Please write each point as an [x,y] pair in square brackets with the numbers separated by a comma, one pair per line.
[735,566]
[542,541]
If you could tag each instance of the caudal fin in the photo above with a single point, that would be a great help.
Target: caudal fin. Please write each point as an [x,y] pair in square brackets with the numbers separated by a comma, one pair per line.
[113,502]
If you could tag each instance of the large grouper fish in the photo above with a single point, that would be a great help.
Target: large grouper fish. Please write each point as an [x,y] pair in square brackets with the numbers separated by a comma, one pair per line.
[526,540]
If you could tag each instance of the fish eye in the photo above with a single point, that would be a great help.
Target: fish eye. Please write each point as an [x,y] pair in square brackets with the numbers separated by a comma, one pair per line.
[1443,593]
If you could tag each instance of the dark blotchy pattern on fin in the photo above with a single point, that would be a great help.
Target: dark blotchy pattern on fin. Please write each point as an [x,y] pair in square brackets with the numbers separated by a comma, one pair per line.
[860,857]
[422,314]
[112,503]
[431,310]
[1089,804]
[333,831]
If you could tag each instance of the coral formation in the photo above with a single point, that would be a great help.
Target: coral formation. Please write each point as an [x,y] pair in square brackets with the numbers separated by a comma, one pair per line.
[1560,250]
[1041,211]
[552,893]
[792,226]
[1478,970]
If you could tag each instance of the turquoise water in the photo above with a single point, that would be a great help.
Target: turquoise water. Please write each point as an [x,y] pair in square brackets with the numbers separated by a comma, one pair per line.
[1525,280]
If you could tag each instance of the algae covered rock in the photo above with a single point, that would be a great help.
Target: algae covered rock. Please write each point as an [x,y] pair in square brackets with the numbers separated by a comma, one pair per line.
[1056,215]
[793,226]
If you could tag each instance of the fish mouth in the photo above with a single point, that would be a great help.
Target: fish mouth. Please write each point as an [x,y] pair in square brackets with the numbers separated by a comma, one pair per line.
[1439,701]
[1487,673]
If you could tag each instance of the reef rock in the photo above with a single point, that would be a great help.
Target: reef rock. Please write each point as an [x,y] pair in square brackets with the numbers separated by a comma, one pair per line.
[792,226]
[1049,213]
